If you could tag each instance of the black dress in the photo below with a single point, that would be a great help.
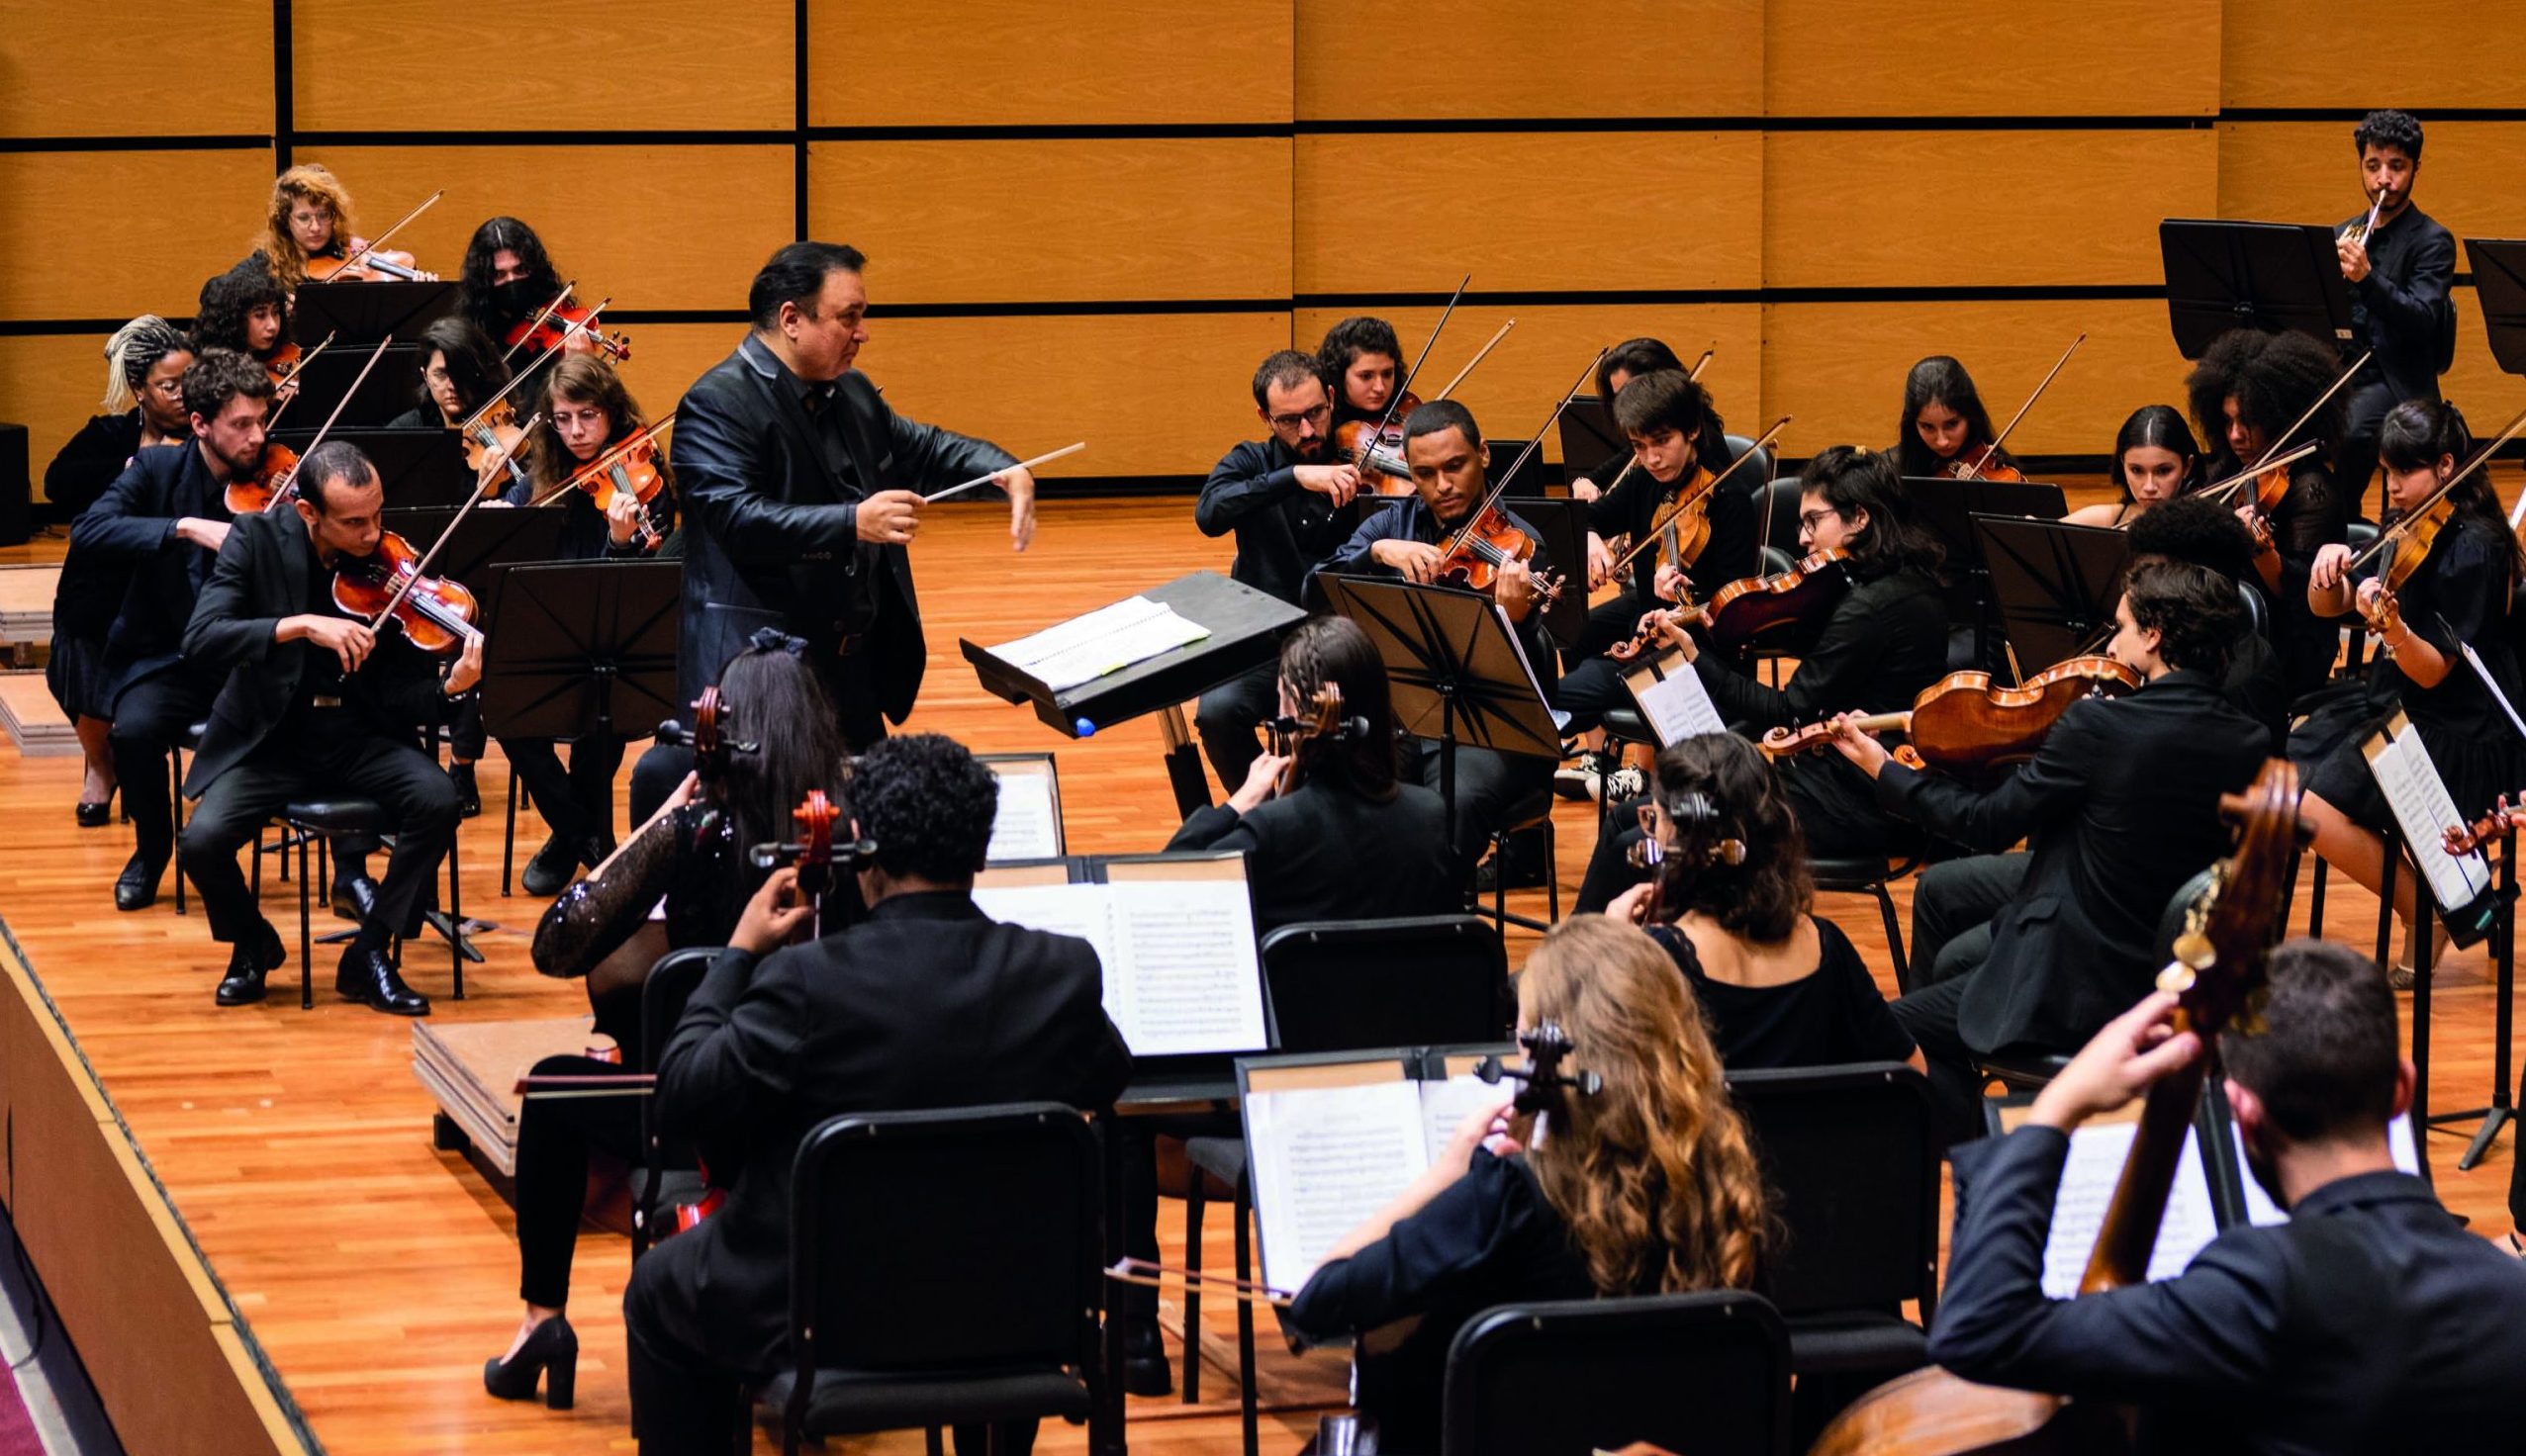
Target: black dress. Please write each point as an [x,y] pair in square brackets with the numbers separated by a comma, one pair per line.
[1832,1015]
[88,594]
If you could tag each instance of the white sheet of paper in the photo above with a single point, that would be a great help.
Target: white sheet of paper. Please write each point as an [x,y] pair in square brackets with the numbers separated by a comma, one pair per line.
[2423,811]
[2262,1212]
[1026,825]
[1107,640]
[1178,956]
[1063,637]
[1064,909]
[2097,1154]
[1677,706]
[1324,1159]
[1444,1105]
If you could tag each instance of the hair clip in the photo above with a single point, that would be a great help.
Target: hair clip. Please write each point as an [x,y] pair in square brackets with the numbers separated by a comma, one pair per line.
[767,639]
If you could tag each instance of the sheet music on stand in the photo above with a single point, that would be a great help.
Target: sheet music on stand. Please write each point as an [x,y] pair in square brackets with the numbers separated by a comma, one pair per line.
[1027,824]
[2098,1147]
[1174,933]
[1671,698]
[1107,640]
[2424,813]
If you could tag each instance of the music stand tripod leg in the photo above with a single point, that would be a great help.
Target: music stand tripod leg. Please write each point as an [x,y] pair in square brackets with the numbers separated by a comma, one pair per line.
[1185,771]
[2503,985]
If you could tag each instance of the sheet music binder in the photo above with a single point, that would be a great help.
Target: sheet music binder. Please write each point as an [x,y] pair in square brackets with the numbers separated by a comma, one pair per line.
[1245,626]
[1015,772]
[360,314]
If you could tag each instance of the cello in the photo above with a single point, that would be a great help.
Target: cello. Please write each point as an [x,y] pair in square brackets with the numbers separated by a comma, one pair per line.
[2216,970]
[814,854]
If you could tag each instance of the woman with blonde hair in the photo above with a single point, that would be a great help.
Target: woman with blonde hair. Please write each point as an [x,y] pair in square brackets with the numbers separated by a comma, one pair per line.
[1646,1186]
[310,217]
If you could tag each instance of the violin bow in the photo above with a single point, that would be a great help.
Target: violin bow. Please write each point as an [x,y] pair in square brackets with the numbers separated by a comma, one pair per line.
[535,323]
[2221,491]
[1404,386]
[1680,507]
[2330,391]
[985,480]
[1479,356]
[571,331]
[2396,531]
[1464,532]
[1992,449]
[328,427]
[421,568]
[373,244]
[613,453]
[1695,375]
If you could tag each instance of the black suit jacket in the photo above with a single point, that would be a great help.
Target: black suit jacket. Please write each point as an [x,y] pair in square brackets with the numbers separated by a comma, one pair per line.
[263,574]
[2118,808]
[770,528]
[2402,308]
[1283,528]
[2369,1322]
[132,529]
[927,1003]
[1321,853]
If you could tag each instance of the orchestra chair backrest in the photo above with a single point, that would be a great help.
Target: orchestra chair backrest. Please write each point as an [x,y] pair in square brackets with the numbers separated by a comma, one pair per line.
[1850,1163]
[1752,479]
[1427,980]
[670,982]
[1780,503]
[1702,1373]
[2257,610]
[944,1267]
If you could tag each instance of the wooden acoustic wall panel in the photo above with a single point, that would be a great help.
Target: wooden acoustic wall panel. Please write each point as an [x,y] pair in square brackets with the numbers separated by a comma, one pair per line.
[1517,59]
[650,227]
[1059,221]
[1924,209]
[1036,384]
[201,209]
[51,384]
[115,69]
[1993,57]
[666,358]
[2416,54]
[443,65]
[1840,367]
[1045,62]
[1530,210]
[2306,172]
[1512,391]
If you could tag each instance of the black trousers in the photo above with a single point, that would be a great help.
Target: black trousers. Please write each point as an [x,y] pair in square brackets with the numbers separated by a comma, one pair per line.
[465,736]
[684,1399]
[554,1138]
[2363,412]
[577,801]
[1836,809]
[1489,785]
[1610,871]
[1953,910]
[1228,715]
[335,755]
[149,720]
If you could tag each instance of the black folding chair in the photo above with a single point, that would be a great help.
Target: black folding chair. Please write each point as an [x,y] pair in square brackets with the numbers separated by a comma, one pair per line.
[667,1171]
[1701,1373]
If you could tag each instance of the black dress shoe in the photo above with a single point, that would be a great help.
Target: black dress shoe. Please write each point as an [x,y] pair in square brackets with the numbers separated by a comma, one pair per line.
[352,896]
[1145,1368]
[469,795]
[96,815]
[552,868]
[552,1351]
[254,957]
[136,887]
[368,977]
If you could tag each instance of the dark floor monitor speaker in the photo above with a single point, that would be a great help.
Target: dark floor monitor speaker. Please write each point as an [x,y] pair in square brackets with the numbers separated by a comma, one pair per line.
[17,487]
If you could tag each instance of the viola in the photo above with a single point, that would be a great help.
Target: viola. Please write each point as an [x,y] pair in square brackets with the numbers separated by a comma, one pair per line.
[274,485]
[708,737]
[559,323]
[436,612]
[1970,728]
[2217,968]
[1376,447]
[495,428]
[1743,610]
[630,468]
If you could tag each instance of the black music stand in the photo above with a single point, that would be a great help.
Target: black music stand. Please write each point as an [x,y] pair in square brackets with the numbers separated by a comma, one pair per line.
[418,467]
[1459,673]
[361,314]
[2273,276]
[2055,585]
[576,647]
[1561,524]
[2500,282]
[1948,508]
[385,393]
[488,541]
[1590,437]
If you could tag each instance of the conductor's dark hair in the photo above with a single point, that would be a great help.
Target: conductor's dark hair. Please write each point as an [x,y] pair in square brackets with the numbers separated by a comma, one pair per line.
[1852,480]
[219,319]
[774,701]
[472,363]
[2274,378]
[1719,787]
[216,376]
[331,464]
[2163,427]
[1668,399]
[2416,435]
[1347,340]
[2399,129]
[1334,650]
[795,275]
[1631,358]
[2194,611]
[2197,529]
[474,296]
[1940,379]
[1287,369]
[928,803]
[2325,1057]
[1439,417]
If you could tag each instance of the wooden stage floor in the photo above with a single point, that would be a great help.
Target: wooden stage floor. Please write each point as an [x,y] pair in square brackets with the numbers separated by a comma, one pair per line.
[379,1273]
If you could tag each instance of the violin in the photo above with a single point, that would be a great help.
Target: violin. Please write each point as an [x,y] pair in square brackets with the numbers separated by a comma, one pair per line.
[813,853]
[2461,839]
[627,467]
[273,484]
[1690,514]
[493,427]
[1986,464]
[576,320]
[1471,557]
[2411,535]
[2217,971]
[1376,447]
[1968,727]
[1745,609]
[283,365]
[436,613]
[367,264]
[708,737]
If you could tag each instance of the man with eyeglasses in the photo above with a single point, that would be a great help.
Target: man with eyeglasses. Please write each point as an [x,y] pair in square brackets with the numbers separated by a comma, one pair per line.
[1285,498]
[164,520]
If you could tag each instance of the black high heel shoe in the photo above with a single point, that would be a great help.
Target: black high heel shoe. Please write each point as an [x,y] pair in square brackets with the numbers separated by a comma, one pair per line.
[552,1351]
[97,815]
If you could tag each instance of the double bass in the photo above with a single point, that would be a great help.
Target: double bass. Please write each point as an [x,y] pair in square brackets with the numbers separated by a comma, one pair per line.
[2218,968]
